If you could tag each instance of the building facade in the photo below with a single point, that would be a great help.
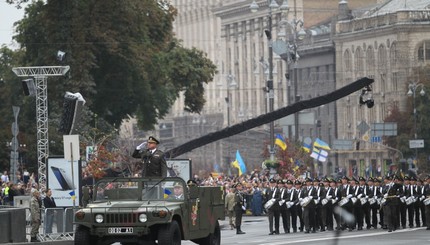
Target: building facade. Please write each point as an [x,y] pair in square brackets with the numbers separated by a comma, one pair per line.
[385,43]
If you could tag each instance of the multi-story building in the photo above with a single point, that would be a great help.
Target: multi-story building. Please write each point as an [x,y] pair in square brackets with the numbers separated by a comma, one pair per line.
[385,43]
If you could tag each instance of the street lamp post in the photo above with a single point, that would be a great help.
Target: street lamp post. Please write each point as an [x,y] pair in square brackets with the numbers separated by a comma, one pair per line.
[273,5]
[412,92]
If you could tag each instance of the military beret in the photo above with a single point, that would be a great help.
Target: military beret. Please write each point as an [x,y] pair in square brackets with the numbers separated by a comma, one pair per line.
[152,139]
[191,182]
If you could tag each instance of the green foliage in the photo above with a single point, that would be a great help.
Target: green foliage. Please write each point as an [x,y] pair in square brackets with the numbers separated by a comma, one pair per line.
[124,59]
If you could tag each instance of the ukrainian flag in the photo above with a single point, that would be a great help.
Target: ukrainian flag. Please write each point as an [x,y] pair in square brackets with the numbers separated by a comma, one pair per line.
[167,192]
[321,144]
[72,194]
[239,163]
[279,141]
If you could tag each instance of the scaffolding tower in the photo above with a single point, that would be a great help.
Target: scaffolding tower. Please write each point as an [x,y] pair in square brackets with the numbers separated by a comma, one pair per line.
[40,75]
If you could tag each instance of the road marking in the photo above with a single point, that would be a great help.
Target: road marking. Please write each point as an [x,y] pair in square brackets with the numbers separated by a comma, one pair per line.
[341,237]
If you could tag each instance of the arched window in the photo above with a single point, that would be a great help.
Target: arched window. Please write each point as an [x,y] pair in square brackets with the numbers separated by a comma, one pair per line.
[370,60]
[393,55]
[424,51]
[347,60]
[382,58]
[358,58]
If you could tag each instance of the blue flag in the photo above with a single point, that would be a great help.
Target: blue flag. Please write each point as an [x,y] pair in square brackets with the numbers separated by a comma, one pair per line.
[240,162]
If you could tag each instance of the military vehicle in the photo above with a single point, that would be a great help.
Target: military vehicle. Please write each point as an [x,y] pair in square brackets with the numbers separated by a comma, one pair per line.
[150,211]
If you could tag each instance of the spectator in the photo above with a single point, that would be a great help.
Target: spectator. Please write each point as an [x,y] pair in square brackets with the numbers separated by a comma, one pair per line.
[50,206]
[5,177]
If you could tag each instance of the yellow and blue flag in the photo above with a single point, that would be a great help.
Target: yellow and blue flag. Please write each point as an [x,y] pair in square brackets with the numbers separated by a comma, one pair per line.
[167,192]
[321,144]
[279,141]
[239,163]
[319,154]
[72,194]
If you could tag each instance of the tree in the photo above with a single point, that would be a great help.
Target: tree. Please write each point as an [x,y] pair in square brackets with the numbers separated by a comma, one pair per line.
[124,58]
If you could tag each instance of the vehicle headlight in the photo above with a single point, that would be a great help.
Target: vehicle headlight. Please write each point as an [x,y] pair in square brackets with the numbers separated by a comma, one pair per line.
[80,215]
[143,218]
[99,218]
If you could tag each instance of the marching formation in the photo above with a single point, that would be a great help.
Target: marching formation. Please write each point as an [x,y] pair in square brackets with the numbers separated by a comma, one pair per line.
[318,205]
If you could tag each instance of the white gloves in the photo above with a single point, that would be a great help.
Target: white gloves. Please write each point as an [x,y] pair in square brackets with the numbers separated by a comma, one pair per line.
[360,195]
[385,195]
[141,146]
[349,196]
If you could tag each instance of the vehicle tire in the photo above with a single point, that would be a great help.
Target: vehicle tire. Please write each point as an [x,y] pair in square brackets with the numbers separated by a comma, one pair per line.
[83,237]
[213,238]
[169,234]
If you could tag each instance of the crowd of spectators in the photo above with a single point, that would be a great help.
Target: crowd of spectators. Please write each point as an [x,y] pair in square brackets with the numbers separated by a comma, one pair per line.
[23,186]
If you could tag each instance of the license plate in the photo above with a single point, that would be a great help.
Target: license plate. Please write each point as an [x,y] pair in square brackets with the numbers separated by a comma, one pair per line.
[120,230]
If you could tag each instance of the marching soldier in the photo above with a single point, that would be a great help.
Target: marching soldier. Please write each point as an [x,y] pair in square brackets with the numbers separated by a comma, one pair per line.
[373,194]
[239,208]
[420,203]
[309,208]
[319,219]
[273,212]
[327,205]
[427,197]
[402,205]
[296,209]
[285,212]
[410,192]
[335,200]
[366,206]
[391,204]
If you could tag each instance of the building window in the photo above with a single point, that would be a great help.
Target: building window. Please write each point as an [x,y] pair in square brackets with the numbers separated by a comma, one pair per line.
[370,60]
[347,60]
[393,55]
[424,51]
[382,58]
[358,61]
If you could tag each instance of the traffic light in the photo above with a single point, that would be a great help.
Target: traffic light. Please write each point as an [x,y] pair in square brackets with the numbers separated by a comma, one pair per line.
[72,107]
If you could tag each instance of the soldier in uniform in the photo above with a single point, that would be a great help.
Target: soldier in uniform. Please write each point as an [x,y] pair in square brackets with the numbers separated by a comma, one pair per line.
[296,209]
[285,213]
[335,185]
[402,204]
[273,213]
[309,209]
[391,204]
[327,205]
[320,221]
[410,192]
[426,196]
[35,205]
[229,206]
[420,205]
[373,193]
[416,205]
[154,164]
[239,208]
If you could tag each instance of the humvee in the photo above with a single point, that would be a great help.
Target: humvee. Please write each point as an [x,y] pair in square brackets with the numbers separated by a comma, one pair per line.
[146,211]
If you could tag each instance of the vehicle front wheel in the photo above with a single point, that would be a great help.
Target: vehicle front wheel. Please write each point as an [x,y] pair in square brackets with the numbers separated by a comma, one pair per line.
[169,234]
[213,238]
[83,237]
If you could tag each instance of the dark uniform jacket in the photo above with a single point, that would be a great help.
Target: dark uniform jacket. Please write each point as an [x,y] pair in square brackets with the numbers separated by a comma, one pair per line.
[276,194]
[154,164]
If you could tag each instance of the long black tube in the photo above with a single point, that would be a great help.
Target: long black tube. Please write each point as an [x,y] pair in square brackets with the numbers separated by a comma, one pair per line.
[269,117]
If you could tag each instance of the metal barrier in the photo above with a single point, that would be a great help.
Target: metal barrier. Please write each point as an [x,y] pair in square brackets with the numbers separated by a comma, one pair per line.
[63,219]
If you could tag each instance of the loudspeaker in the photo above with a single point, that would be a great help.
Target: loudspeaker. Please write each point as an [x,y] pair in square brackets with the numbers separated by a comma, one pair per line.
[28,87]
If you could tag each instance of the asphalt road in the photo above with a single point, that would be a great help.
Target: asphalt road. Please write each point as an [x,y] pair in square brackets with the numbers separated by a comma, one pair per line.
[257,230]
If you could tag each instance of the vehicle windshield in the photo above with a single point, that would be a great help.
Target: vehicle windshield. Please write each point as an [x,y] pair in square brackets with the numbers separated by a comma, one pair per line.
[114,190]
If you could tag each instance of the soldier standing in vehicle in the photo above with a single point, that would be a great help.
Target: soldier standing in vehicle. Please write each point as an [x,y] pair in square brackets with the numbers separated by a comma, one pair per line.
[154,164]
[239,208]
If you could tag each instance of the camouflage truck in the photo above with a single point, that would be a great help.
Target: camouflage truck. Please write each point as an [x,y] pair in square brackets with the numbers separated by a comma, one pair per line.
[146,211]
